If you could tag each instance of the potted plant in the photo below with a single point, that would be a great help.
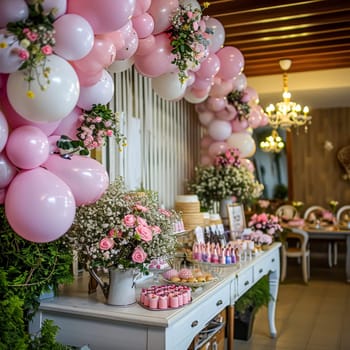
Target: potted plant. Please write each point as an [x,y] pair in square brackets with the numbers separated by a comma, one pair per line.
[247,306]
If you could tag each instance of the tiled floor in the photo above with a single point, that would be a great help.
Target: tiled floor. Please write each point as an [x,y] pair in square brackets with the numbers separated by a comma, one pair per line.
[308,317]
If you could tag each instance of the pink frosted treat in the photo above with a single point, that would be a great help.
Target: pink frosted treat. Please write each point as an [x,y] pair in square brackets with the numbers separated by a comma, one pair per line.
[168,275]
[185,274]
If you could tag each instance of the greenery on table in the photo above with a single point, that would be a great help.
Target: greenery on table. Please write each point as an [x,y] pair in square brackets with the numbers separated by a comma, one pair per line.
[27,270]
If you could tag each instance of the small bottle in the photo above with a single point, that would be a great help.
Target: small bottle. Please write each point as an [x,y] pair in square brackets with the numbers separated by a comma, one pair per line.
[233,256]
[228,259]
[215,257]
[223,257]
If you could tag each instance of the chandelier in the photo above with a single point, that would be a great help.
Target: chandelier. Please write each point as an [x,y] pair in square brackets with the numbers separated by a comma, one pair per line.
[287,114]
[273,143]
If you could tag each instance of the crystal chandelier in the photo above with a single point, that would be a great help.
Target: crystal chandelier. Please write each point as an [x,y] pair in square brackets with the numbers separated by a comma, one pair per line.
[287,114]
[273,143]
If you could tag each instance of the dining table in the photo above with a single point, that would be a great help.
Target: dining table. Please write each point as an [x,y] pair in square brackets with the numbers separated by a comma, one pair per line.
[329,232]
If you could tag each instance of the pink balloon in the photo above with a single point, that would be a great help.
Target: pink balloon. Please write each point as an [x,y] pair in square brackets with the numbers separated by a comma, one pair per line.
[15,120]
[131,44]
[247,163]
[264,119]
[161,11]
[69,125]
[216,39]
[85,176]
[231,62]
[2,195]
[205,160]
[53,143]
[201,107]
[158,61]
[228,113]
[12,11]
[216,148]
[221,89]
[141,6]
[102,92]
[254,117]
[4,131]
[146,45]
[219,130]
[39,206]
[107,16]
[7,171]
[206,141]
[215,104]
[202,83]
[239,125]
[143,25]
[27,147]
[200,93]
[74,37]
[209,67]
[250,94]
[88,78]
[206,117]
[115,37]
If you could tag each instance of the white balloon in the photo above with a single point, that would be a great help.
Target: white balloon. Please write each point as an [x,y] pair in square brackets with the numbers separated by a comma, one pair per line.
[219,130]
[52,104]
[193,4]
[119,66]
[239,82]
[191,98]
[4,131]
[168,86]
[244,142]
[100,93]
[74,37]
[9,59]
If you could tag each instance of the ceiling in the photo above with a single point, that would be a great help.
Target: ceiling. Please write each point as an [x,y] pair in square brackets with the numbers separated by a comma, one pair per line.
[314,34]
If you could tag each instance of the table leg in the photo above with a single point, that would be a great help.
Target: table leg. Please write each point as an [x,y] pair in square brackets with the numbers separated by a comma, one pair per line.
[274,283]
[347,263]
[230,326]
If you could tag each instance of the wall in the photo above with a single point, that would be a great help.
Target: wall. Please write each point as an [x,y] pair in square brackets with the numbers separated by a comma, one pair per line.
[163,139]
[316,174]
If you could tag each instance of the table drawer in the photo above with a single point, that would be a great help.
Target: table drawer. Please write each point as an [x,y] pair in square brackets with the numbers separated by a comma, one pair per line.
[245,280]
[196,319]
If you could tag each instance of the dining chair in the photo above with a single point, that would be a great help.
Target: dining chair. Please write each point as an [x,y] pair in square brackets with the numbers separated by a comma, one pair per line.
[296,245]
[286,212]
[343,216]
[332,245]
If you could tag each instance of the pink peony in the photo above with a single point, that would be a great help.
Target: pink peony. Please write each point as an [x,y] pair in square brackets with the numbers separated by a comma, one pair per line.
[140,208]
[139,255]
[23,54]
[106,243]
[144,232]
[109,132]
[31,36]
[129,220]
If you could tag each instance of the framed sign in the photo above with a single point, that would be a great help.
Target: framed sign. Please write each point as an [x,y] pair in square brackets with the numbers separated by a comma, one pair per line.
[236,217]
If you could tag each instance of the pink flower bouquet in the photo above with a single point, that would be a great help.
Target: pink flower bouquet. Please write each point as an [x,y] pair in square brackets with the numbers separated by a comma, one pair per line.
[265,228]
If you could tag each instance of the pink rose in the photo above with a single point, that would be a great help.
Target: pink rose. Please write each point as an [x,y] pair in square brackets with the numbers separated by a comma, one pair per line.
[109,132]
[156,229]
[165,212]
[46,50]
[98,119]
[141,207]
[106,243]
[23,54]
[32,36]
[111,233]
[129,220]
[141,221]
[144,232]
[139,255]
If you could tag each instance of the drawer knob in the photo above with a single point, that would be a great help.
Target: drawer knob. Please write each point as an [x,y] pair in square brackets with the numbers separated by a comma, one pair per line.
[261,270]
[246,283]
[194,324]
[219,302]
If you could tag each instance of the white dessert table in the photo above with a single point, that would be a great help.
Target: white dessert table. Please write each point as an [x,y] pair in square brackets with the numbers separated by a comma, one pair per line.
[87,319]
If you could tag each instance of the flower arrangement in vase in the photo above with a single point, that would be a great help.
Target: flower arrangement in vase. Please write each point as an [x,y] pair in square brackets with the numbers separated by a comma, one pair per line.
[265,228]
[226,178]
[122,230]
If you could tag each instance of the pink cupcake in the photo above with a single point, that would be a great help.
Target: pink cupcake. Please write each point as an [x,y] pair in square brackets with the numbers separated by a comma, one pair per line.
[168,275]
